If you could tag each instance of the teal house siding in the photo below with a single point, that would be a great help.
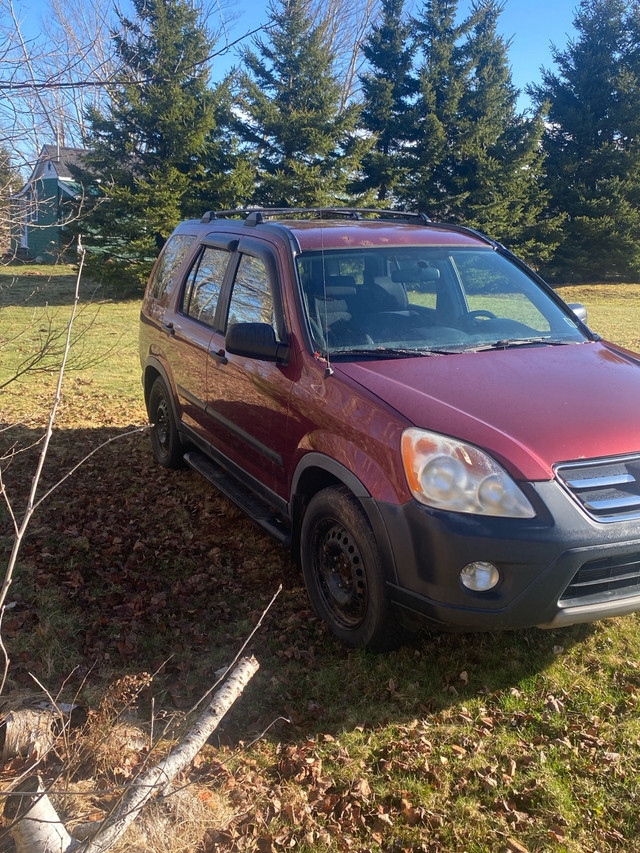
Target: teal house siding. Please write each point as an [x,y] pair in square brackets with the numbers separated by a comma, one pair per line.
[38,210]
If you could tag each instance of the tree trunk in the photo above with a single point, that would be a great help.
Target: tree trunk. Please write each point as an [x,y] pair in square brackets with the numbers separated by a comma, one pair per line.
[28,733]
[36,828]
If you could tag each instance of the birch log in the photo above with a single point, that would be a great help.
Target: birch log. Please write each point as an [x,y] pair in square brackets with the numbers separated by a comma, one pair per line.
[36,827]
[27,732]
[159,777]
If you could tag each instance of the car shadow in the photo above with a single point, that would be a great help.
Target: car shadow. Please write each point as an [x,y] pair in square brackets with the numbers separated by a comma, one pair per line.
[128,567]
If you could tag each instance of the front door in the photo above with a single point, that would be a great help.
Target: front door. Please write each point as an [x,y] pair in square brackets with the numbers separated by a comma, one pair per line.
[248,398]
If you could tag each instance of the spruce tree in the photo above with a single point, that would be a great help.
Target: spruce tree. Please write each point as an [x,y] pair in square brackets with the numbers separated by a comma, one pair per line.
[305,151]
[388,89]
[476,160]
[592,143]
[442,76]
[160,150]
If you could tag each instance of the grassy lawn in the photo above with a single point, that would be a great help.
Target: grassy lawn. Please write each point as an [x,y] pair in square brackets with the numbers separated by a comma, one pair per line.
[526,740]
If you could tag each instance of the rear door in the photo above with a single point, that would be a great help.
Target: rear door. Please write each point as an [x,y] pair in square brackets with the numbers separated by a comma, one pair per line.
[194,327]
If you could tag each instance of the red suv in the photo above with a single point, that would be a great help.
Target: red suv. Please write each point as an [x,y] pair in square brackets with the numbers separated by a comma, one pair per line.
[409,408]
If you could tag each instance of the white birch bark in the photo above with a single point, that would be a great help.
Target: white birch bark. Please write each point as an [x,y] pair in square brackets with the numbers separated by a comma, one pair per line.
[157,779]
[36,827]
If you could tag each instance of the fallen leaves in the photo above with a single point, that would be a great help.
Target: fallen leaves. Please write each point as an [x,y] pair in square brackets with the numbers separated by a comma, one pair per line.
[432,748]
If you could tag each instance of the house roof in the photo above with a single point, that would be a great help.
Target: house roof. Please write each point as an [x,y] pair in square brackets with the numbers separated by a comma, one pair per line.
[54,162]
[60,158]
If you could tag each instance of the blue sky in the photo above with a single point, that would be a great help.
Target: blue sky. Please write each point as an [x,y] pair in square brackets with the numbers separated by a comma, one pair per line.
[531,25]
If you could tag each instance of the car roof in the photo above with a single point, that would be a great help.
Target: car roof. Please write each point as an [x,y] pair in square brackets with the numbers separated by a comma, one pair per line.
[315,235]
[325,229]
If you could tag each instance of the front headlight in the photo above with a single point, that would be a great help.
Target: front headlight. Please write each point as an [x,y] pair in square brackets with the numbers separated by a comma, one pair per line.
[449,474]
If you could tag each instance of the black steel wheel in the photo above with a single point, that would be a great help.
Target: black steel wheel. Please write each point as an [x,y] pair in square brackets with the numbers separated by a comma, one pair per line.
[165,439]
[343,571]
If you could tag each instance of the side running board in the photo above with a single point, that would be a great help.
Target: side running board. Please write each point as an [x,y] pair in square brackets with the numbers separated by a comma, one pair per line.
[245,500]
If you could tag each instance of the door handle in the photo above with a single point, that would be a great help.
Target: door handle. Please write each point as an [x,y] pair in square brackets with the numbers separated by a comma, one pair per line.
[168,328]
[219,356]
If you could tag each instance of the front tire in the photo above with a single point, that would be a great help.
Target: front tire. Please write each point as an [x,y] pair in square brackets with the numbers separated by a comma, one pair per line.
[343,571]
[165,439]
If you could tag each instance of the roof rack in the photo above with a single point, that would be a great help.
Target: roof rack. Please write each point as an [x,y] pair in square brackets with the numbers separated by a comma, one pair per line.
[254,216]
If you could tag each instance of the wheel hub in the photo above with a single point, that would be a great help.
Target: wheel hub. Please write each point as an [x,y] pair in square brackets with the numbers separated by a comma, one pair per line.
[162,423]
[341,574]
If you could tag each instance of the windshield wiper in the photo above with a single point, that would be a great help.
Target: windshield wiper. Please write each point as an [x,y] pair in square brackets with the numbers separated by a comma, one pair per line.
[508,343]
[388,352]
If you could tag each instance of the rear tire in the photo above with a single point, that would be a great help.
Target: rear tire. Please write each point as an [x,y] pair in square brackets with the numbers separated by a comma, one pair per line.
[343,572]
[165,440]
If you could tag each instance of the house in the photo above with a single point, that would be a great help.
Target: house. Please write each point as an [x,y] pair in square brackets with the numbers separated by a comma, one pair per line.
[39,209]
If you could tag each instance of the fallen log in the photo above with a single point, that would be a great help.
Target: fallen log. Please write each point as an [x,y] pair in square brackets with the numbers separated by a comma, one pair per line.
[32,732]
[36,827]
[157,779]
[27,732]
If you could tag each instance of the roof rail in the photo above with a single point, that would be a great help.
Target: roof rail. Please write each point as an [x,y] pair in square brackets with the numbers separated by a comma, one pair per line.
[254,216]
[465,229]
[210,215]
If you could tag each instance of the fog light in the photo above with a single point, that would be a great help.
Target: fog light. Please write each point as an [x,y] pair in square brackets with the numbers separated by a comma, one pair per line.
[480,577]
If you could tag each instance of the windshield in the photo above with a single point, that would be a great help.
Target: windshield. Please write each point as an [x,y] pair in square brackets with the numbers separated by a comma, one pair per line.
[426,299]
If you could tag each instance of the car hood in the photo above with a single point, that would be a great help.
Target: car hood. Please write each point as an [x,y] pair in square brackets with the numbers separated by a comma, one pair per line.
[530,407]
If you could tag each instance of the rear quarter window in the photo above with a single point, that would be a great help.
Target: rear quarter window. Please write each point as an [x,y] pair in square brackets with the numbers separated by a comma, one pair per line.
[163,277]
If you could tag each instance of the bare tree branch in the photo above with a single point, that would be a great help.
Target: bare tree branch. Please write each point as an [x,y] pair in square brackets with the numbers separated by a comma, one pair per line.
[31,502]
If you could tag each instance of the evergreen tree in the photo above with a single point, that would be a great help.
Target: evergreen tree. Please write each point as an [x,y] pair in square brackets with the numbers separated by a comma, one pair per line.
[441,81]
[306,154]
[475,159]
[388,88]
[592,143]
[160,150]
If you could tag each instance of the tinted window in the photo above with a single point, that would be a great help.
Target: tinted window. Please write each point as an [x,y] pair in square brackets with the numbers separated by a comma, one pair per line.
[205,283]
[434,298]
[495,286]
[251,300]
[172,255]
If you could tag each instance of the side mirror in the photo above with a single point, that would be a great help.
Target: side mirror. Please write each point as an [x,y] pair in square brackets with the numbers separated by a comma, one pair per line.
[579,310]
[255,340]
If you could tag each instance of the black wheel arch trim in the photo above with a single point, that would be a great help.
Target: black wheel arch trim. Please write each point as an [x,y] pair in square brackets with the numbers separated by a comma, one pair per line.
[369,505]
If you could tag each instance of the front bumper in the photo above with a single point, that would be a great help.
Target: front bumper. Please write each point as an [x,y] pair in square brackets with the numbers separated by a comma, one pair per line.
[557,569]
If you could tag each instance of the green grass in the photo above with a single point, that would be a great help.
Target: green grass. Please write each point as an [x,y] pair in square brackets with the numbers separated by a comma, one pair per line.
[103,378]
[612,308]
[456,742]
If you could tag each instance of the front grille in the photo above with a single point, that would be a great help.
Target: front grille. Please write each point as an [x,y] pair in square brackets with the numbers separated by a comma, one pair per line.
[603,580]
[608,489]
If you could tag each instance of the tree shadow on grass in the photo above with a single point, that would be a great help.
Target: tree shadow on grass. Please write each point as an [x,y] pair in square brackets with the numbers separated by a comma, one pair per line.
[129,567]
[33,287]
